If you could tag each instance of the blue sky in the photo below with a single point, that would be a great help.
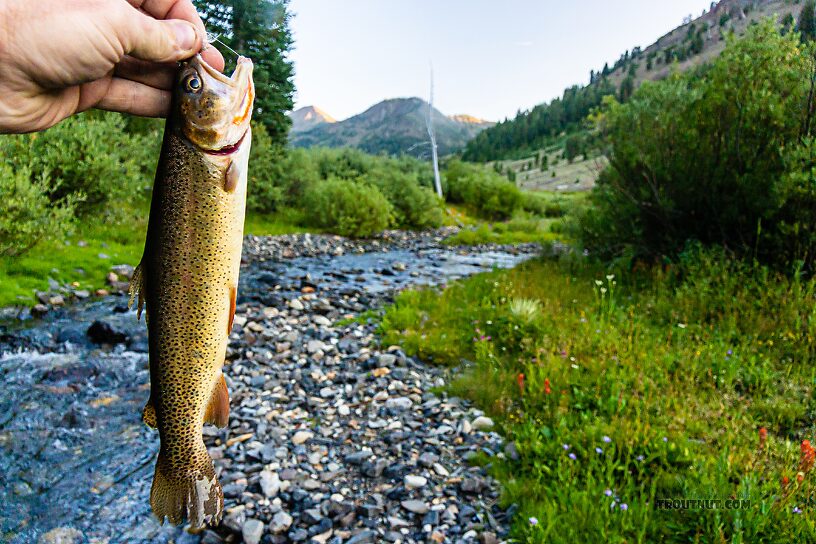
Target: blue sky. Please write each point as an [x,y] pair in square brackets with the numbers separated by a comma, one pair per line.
[490,57]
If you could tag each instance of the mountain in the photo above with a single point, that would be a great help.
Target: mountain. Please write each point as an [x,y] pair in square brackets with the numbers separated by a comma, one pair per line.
[693,43]
[697,40]
[309,117]
[394,126]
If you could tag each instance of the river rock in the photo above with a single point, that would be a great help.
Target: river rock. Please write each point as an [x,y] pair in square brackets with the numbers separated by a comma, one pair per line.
[482,423]
[252,531]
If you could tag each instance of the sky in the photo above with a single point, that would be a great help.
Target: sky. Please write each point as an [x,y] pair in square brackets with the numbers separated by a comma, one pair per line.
[490,58]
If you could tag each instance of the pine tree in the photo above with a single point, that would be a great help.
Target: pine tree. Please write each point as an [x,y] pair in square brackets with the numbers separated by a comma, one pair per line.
[807,21]
[258,29]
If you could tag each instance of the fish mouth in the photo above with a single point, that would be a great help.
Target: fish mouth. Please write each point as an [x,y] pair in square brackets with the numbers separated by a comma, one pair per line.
[228,149]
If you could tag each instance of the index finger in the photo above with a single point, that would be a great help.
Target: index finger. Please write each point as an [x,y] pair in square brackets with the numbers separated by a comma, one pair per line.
[185,10]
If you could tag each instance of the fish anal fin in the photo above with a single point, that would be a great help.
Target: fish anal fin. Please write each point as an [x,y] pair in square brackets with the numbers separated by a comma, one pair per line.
[218,410]
[149,414]
[136,290]
[232,302]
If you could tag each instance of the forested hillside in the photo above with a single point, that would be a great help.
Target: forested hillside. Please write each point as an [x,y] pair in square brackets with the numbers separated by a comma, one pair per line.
[690,45]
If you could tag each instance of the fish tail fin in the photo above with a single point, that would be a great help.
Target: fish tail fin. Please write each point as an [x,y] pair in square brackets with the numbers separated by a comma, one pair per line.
[194,496]
[136,290]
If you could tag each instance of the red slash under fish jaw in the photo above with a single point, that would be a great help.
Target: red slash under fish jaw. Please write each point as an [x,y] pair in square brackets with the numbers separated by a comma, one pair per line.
[227,149]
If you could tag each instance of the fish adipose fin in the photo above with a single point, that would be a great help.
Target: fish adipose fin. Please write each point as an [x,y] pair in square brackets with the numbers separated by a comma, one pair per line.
[218,410]
[195,497]
[136,291]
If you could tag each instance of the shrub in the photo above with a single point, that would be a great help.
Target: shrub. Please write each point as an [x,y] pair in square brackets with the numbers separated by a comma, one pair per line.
[90,154]
[487,193]
[26,213]
[414,206]
[277,177]
[700,156]
[347,208]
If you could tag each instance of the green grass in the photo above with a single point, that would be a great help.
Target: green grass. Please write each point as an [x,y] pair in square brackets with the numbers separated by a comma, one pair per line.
[519,230]
[68,263]
[670,373]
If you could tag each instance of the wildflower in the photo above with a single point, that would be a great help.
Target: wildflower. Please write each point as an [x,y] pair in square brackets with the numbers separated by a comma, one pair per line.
[603,290]
[598,283]
[785,481]
[533,521]
[640,458]
[599,451]
[547,389]
[797,510]
[729,352]
[608,492]
[520,382]
[610,277]
[573,456]
[665,439]
[611,506]
[565,446]
[606,439]
[800,477]
[763,436]
[624,506]
[808,456]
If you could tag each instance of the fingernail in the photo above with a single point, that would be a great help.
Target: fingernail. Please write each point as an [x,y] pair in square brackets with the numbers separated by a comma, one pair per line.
[186,37]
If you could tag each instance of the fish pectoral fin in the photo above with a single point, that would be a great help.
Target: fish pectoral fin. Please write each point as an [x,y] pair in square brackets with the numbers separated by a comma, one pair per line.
[149,415]
[136,290]
[218,409]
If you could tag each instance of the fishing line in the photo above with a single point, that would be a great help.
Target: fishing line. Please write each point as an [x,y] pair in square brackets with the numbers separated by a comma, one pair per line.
[215,38]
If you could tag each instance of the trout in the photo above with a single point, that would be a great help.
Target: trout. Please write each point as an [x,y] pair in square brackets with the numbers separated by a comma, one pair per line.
[188,279]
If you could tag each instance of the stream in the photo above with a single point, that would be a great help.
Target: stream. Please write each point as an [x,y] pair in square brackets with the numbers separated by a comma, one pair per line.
[76,462]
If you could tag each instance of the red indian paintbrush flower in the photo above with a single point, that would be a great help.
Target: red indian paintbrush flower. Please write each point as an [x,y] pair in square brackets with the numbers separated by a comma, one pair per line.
[808,456]
[520,382]
[547,389]
[763,436]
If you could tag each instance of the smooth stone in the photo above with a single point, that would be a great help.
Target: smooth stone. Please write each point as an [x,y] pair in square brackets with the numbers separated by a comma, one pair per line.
[301,437]
[280,522]
[252,531]
[482,423]
[416,506]
[270,483]
[414,482]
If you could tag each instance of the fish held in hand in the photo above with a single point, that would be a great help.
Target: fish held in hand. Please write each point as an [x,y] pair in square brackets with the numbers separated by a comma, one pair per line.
[188,280]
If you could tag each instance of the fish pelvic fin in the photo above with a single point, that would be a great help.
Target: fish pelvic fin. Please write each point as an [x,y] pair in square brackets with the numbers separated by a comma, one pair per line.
[218,409]
[193,496]
[136,290]
[149,414]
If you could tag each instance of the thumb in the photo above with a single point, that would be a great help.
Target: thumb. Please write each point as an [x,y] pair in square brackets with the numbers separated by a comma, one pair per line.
[161,41]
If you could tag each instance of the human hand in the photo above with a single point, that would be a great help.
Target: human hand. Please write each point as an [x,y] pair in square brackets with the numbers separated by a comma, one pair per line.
[61,57]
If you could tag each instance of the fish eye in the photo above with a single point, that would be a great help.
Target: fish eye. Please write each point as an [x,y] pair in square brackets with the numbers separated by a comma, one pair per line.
[192,83]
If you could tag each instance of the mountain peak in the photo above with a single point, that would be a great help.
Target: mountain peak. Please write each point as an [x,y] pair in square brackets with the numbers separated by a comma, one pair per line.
[395,126]
[309,117]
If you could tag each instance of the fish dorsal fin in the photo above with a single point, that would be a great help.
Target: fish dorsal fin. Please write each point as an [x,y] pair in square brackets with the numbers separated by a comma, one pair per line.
[218,410]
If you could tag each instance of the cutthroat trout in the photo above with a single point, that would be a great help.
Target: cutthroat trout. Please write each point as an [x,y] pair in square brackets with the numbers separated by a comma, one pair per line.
[188,277]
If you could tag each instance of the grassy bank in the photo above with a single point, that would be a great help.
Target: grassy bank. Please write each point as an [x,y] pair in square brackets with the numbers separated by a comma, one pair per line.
[621,389]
